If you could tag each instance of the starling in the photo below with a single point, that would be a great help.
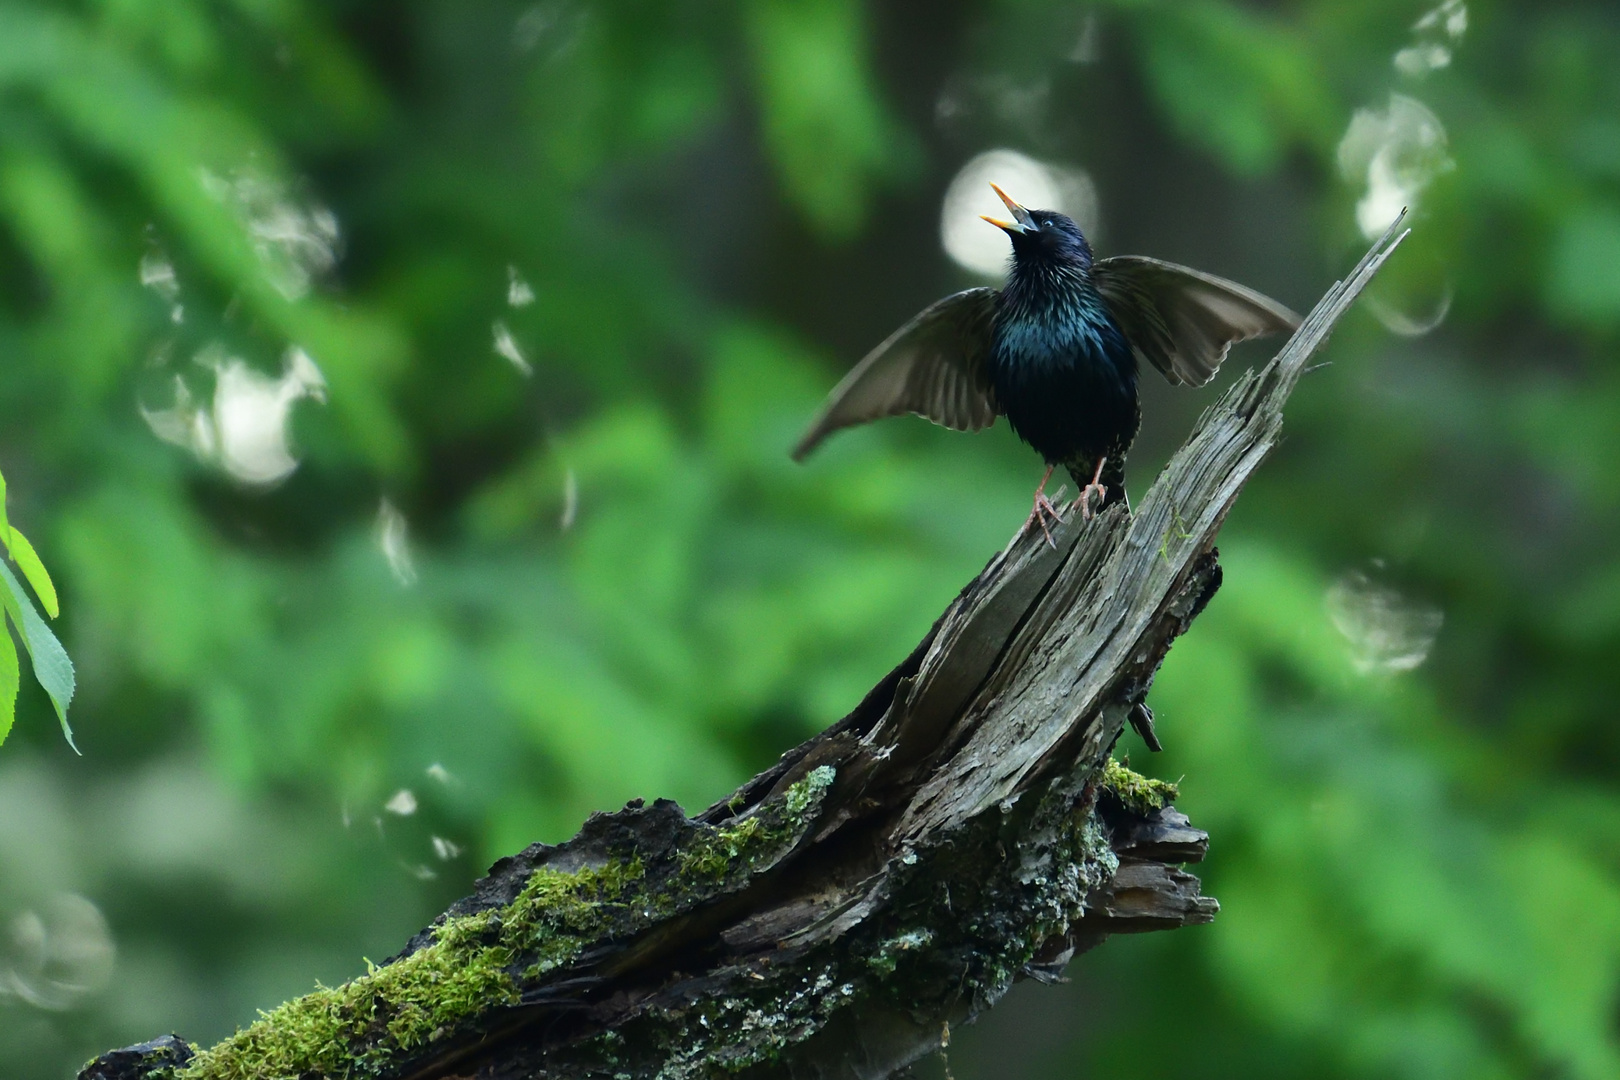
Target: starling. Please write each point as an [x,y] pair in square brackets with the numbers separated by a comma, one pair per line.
[1056,350]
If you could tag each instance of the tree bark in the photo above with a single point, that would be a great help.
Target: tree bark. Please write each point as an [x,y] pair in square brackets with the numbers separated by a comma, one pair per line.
[965,826]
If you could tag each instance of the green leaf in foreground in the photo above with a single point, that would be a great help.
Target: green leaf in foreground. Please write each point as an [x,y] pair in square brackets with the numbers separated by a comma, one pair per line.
[10,680]
[28,561]
[52,667]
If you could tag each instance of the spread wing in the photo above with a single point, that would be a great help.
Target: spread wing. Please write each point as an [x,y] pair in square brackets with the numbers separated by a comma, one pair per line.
[1183,321]
[933,366]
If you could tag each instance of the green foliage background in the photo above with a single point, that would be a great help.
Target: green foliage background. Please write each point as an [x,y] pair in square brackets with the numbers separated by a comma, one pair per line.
[717,207]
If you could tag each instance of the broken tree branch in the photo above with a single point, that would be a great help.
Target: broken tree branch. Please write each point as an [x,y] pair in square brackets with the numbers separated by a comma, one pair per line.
[963,827]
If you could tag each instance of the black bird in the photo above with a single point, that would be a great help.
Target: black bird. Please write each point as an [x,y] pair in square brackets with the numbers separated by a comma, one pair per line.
[1057,351]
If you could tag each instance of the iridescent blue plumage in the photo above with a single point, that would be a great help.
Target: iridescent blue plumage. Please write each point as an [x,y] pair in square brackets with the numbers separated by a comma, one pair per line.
[1062,369]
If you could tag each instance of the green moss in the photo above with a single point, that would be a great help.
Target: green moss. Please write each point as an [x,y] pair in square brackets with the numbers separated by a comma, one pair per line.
[557,914]
[1140,794]
[361,1028]
[364,1025]
[711,856]
[393,1009]
[760,838]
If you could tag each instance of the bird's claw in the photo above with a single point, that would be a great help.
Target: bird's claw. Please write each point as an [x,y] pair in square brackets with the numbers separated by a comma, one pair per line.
[1042,510]
[1083,500]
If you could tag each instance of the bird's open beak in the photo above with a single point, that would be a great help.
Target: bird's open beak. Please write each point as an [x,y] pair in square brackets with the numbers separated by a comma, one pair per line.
[1021,220]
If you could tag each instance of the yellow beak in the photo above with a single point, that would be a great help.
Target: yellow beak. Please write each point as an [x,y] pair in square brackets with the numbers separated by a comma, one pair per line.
[1021,218]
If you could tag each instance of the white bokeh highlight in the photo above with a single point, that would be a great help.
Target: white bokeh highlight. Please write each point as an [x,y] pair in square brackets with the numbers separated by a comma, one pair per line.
[402,803]
[1437,34]
[56,955]
[244,431]
[1387,632]
[1394,153]
[393,540]
[506,346]
[296,241]
[519,293]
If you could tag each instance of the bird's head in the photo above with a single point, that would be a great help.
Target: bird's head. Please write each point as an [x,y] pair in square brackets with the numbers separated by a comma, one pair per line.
[1042,236]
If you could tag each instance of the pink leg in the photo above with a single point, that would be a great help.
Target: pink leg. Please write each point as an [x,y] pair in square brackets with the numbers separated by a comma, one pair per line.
[1044,508]
[1083,500]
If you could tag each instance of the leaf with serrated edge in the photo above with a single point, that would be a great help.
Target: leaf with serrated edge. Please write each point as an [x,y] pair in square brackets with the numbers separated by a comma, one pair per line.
[52,667]
[28,561]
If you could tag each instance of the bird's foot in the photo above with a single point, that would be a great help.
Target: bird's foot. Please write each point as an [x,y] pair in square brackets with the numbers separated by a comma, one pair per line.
[1043,510]
[1083,500]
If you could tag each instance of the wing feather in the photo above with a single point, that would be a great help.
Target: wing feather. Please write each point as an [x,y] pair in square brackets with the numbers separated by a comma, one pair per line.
[933,366]
[1183,321]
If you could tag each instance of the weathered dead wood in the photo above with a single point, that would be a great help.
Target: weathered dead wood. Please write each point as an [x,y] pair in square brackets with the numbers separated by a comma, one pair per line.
[961,828]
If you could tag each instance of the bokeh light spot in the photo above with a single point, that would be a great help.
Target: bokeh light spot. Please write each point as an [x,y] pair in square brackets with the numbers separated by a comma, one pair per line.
[1396,153]
[1387,631]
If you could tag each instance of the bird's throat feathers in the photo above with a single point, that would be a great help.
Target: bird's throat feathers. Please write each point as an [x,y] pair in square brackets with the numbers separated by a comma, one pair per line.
[1051,315]
[1050,287]
[1050,273]
[1039,287]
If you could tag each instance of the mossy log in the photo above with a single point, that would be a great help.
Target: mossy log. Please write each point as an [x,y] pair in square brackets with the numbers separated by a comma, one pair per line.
[965,826]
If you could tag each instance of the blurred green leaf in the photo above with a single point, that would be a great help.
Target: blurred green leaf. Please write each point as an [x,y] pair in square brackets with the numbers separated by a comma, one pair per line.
[1238,82]
[826,129]
[1583,276]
